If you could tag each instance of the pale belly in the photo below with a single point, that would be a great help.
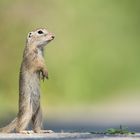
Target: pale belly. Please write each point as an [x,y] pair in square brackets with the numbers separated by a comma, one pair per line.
[30,90]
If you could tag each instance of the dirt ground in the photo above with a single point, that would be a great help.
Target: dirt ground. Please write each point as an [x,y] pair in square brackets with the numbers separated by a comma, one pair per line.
[68,136]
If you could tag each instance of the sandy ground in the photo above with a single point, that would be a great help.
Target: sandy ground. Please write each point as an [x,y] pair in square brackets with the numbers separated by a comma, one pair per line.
[68,136]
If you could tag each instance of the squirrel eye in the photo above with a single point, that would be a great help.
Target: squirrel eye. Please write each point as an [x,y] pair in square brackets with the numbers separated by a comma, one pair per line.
[40,32]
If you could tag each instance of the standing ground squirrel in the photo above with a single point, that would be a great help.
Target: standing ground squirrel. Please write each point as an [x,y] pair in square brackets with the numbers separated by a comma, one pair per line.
[32,70]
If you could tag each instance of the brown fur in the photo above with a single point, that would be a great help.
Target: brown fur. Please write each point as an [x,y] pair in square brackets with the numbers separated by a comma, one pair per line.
[32,70]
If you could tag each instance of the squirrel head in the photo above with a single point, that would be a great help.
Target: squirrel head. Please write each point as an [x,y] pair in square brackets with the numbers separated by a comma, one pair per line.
[39,37]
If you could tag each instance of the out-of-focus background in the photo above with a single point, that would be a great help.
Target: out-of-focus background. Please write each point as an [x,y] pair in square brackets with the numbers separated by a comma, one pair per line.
[93,63]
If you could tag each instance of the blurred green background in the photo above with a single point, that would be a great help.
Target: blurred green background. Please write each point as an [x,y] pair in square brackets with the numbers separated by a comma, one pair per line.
[93,61]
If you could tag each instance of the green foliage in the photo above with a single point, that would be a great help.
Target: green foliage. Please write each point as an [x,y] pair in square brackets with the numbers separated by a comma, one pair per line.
[114,131]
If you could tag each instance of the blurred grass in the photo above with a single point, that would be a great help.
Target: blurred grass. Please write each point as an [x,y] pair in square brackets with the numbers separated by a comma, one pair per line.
[94,57]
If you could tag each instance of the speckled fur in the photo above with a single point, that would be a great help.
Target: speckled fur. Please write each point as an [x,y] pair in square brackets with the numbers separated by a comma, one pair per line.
[32,70]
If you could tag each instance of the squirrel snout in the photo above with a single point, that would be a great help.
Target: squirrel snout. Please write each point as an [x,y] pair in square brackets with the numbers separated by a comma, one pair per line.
[53,36]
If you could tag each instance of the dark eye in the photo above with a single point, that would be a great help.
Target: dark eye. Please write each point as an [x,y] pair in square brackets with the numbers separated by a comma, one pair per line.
[40,32]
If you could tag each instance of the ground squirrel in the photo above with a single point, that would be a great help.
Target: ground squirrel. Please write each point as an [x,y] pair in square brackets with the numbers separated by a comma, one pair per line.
[32,70]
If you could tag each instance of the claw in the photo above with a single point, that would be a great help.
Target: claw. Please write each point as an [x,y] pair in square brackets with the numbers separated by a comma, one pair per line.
[43,78]
[47,77]
[43,75]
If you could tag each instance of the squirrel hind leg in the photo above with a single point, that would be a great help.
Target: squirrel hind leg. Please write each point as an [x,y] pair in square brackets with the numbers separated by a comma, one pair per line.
[37,120]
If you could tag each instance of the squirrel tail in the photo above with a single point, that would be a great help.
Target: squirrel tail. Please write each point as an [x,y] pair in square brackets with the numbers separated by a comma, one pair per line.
[10,127]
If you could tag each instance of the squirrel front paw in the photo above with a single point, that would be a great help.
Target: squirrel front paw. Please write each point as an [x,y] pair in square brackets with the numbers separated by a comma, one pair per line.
[44,74]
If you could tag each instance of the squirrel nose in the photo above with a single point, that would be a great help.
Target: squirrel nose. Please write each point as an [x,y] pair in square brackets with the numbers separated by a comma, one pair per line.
[53,36]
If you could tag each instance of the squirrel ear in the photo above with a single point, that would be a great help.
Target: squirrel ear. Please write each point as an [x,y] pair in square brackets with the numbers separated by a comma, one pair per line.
[30,34]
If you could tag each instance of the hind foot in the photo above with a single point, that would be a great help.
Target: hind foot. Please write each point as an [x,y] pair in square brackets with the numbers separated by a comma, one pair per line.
[43,131]
[26,132]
